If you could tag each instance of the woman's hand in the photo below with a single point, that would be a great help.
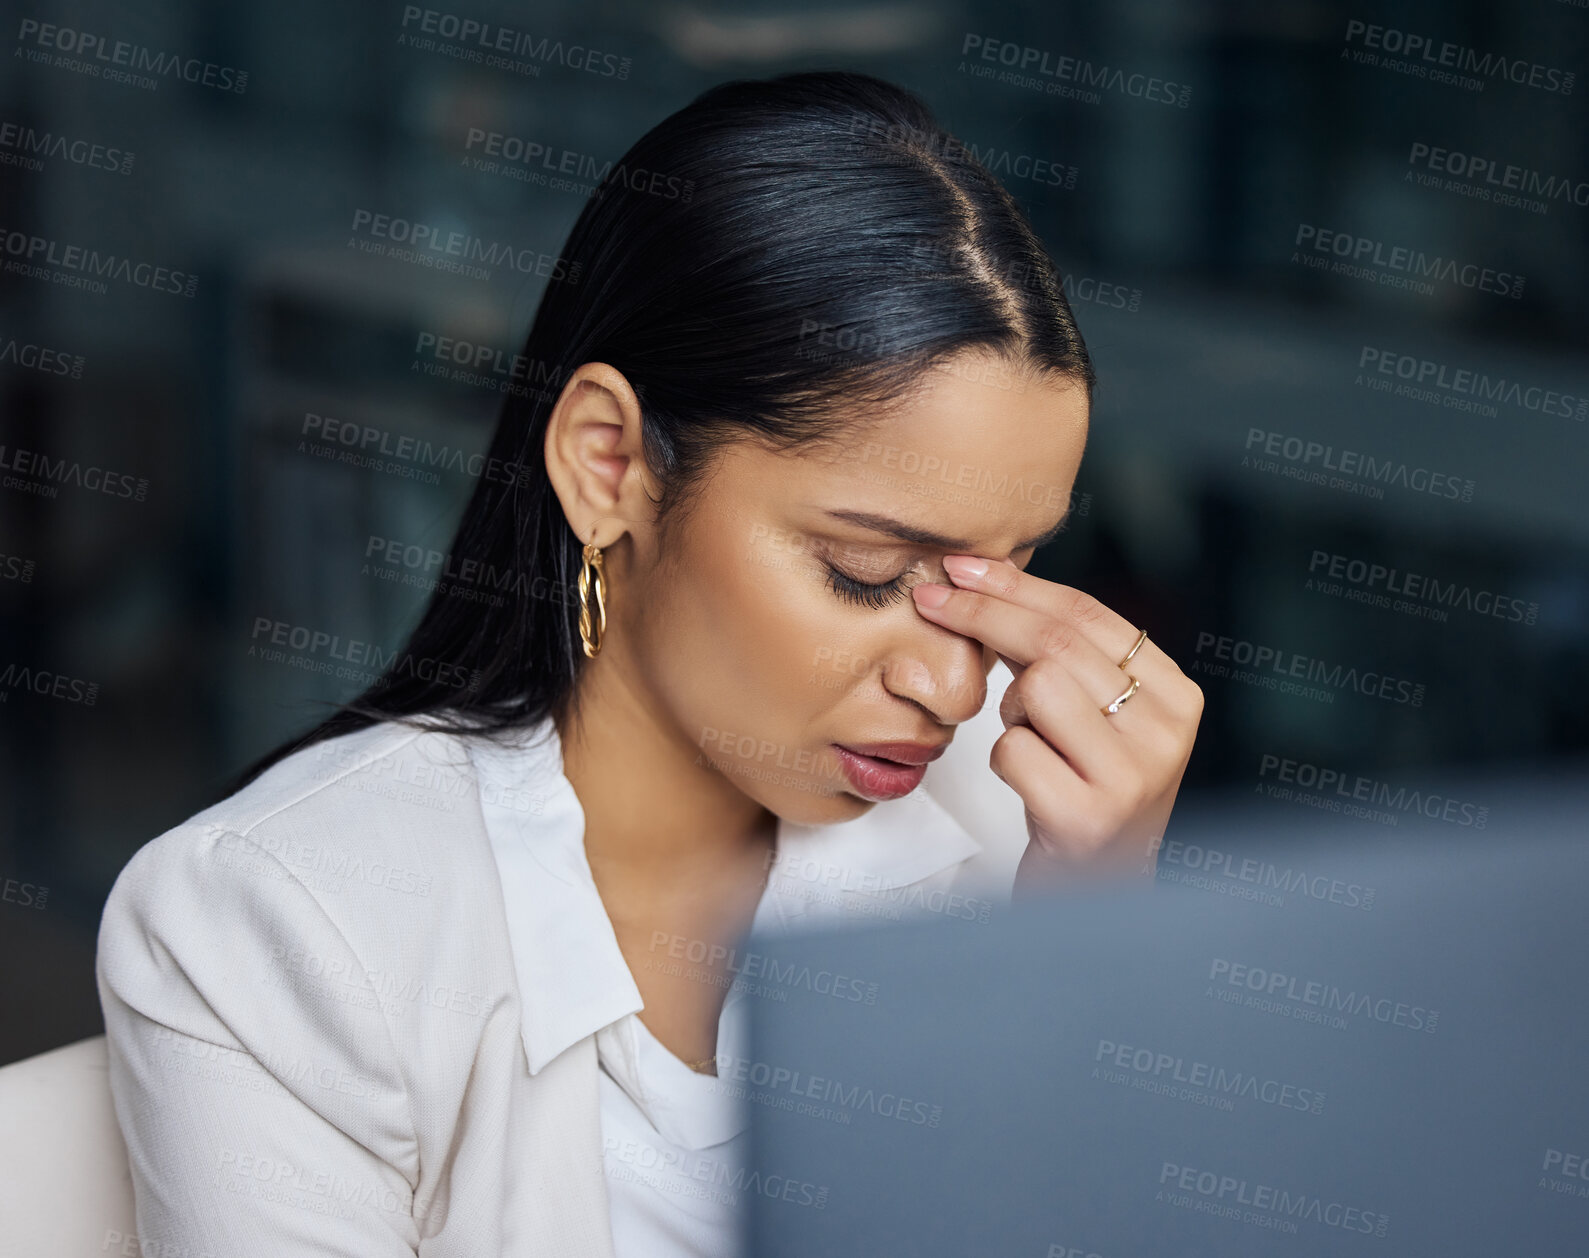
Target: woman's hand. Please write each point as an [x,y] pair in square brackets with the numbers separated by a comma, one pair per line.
[1098,788]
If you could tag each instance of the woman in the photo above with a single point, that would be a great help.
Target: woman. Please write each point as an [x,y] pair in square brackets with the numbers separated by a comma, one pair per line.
[451,974]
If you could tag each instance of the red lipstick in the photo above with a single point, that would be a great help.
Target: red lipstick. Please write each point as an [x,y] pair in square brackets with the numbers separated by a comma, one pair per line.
[880,771]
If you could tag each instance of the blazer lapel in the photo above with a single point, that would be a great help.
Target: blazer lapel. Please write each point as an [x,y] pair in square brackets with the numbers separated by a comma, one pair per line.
[563,1200]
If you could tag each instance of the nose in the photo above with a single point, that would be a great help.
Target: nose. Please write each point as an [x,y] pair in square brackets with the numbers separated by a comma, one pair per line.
[940,670]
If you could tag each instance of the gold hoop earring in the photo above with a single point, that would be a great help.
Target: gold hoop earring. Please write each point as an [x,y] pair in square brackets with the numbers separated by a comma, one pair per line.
[592,562]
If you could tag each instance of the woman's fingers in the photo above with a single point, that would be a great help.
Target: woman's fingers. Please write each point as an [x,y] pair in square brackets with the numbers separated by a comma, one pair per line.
[1048,618]
[1098,787]
[1023,635]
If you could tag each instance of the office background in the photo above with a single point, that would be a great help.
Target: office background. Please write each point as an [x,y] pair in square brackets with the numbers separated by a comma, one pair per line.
[1329,258]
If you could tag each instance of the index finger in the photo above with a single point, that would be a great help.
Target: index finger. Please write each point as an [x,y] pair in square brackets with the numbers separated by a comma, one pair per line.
[1019,634]
[1100,624]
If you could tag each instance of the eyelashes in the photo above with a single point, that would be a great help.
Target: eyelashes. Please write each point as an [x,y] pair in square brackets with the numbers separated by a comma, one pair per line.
[863,593]
[875,595]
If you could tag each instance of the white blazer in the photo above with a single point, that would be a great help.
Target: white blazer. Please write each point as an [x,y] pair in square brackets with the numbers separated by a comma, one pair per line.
[317,1037]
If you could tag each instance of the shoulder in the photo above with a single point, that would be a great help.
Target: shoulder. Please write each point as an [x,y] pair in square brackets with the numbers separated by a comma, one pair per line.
[336,881]
[372,808]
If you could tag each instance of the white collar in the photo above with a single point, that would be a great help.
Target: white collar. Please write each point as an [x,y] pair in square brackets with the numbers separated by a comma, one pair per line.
[573,979]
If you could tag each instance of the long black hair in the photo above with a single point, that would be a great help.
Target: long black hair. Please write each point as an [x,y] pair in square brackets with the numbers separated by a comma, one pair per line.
[775,251]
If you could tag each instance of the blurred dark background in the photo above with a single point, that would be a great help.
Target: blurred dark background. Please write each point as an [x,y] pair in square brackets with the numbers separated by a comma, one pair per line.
[193,327]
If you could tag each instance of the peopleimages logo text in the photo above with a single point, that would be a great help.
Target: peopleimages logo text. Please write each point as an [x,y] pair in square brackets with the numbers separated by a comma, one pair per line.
[1384,471]
[1446,55]
[359,438]
[1431,804]
[52,362]
[30,145]
[1259,656]
[541,159]
[1468,382]
[1497,176]
[1230,1191]
[1201,1074]
[750,964]
[65,471]
[1394,583]
[1280,986]
[853,1097]
[1025,60]
[427,240]
[1366,251]
[116,54]
[1179,854]
[37,252]
[358,654]
[508,41]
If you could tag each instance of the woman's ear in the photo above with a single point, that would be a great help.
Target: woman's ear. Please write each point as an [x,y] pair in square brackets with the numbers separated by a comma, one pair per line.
[595,458]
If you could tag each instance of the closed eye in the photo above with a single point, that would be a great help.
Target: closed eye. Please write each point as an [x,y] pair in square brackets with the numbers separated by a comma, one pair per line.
[865,593]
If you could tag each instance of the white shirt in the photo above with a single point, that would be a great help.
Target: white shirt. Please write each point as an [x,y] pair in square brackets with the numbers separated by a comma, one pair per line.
[327,1035]
[674,1140]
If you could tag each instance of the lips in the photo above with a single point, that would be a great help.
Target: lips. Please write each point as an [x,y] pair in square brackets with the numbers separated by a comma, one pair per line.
[899,753]
[880,771]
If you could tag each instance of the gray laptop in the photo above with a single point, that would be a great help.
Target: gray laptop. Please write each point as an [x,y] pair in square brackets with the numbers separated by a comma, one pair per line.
[1319,1038]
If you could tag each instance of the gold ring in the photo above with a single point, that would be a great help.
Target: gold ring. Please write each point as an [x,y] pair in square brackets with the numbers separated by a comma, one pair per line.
[1143,638]
[1110,709]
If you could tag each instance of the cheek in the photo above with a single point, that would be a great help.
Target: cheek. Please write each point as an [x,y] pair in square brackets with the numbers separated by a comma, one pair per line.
[753,635]
[806,646]
[778,619]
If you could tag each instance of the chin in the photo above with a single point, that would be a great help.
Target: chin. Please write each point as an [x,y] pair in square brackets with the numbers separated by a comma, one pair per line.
[812,808]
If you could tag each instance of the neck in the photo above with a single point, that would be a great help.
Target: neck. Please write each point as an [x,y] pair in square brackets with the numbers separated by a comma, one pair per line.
[655,809]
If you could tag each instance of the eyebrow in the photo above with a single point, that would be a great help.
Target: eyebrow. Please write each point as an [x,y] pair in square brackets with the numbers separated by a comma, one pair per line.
[926,537]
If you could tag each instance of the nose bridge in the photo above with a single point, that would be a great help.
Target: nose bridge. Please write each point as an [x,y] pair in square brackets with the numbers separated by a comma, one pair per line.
[945,672]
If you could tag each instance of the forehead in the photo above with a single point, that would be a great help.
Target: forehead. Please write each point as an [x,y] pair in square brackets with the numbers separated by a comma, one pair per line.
[977,452]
